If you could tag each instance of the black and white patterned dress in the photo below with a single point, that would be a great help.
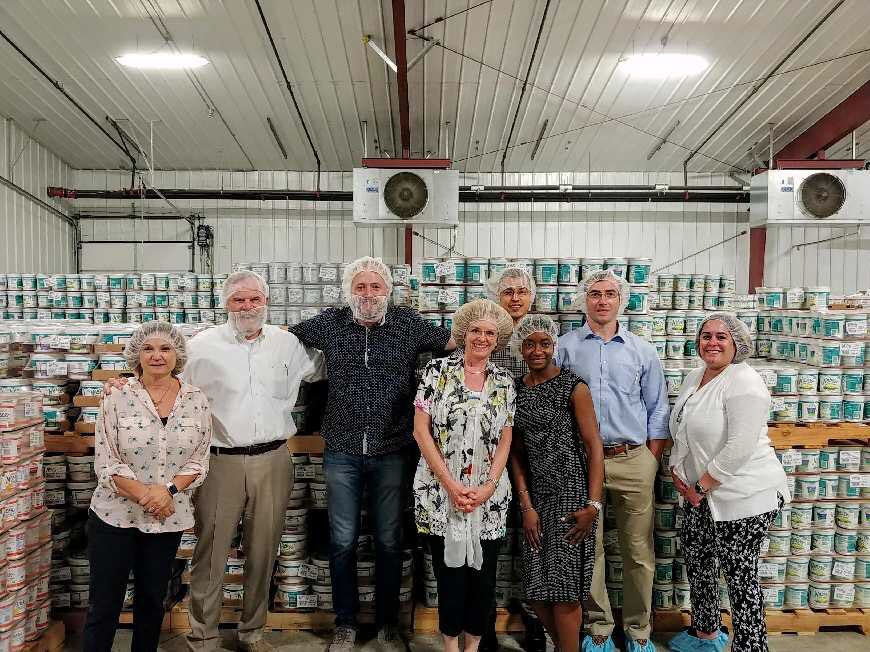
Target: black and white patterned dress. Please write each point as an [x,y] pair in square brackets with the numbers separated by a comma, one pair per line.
[558,485]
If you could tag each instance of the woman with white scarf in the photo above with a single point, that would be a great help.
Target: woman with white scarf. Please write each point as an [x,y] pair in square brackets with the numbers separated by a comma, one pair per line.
[463,423]
[731,486]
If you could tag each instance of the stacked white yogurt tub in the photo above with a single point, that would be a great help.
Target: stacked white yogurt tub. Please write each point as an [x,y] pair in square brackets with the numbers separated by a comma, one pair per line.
[135,297]
[447,284]
[817,553]
[299,291]
[25,530]
[816,357]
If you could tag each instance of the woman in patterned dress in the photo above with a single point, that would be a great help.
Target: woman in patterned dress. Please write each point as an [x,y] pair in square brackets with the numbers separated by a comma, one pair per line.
[152,449]
[463,423]
[558,467]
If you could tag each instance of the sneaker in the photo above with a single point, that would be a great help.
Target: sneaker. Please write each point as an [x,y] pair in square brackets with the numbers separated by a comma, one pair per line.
[685,641]
[343,639]
[390,639]
[598,644]
[260,645]
[640,645]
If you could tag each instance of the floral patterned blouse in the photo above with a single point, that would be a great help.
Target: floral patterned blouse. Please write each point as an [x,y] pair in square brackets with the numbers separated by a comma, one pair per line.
[132,442]
[467,427]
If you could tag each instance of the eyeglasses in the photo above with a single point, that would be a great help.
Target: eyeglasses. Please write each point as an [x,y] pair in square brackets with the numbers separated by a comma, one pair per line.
[516,292]
[610,295]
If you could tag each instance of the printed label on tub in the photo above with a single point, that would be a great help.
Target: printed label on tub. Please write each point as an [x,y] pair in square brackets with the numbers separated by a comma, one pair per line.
[304,471]
[445,269]
[850,457]
[856,327]
[331,292]
[57,368]
[447,297]
[777,403]
[769,377]
[851,348]
[795,295]
[310,601]
[845,592]
[366,597]
[29,410]
[767,570]
[791,457]
[7,415]
[328,274]
[308,570]
[859,480]
[843,569]
[770,595]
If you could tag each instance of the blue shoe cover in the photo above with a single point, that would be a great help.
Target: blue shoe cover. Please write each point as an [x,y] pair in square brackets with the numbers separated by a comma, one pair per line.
[634,646]
[589,645]
[685,642]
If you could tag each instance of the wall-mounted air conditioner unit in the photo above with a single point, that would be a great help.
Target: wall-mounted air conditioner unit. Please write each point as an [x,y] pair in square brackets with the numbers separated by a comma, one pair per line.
[810,197]
[389,197]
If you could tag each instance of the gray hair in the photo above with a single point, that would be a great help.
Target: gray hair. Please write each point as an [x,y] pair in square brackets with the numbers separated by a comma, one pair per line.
[622,287]
[738,330]
[155,329]
[500,280]
[366,264]
[483,310]
[236,278]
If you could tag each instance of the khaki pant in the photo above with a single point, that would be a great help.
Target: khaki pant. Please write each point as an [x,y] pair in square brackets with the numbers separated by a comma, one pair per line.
[629,481]
[256,487]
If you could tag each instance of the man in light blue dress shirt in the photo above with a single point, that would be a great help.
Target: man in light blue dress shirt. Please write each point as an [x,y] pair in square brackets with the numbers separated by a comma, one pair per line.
[630,396]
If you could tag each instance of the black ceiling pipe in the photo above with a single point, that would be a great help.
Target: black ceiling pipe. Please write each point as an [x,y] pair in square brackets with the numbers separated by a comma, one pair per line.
[697,194]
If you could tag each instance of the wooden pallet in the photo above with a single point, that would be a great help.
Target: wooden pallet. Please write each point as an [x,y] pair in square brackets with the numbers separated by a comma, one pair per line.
[426,620]
[52,639]
[286,620]
[787,621]
[306,444]
[86,401]
[817,435]
[70,442]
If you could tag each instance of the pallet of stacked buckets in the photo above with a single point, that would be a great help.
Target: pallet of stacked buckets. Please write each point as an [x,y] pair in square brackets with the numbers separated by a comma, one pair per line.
[817,553]
[813,359]
[132,297]
[447,284]
[299,291]
[25,531]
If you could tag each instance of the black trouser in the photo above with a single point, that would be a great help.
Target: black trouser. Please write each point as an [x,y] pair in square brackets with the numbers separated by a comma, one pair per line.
[113,552]
[465,595]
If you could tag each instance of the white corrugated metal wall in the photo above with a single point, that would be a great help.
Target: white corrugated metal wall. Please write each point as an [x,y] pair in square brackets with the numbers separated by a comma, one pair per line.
[295,230]
[32,238]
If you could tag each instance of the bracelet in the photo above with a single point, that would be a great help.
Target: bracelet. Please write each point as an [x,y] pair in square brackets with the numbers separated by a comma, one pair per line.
[522,491]
[523,510]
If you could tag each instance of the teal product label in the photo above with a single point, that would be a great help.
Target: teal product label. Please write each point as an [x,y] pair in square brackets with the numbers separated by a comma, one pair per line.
[853,381]
[636,302]
[831,355]
[833,328]
[547,274]
[773,300]
[459,274]
[853,410]
[690,350]
[567,274]
[428,273]
[638,274]
[473,272]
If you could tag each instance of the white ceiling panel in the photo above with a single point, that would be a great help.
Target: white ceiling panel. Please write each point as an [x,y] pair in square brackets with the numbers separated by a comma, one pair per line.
[597,116]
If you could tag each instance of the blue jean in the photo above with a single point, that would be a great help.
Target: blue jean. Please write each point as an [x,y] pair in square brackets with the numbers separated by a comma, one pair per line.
[346,476]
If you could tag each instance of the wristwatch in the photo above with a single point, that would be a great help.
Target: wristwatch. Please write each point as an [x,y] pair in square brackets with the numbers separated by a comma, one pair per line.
[171,488]
[699,489]
[597,505]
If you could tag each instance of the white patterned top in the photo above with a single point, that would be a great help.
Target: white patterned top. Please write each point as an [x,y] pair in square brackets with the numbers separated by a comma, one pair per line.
[132,442]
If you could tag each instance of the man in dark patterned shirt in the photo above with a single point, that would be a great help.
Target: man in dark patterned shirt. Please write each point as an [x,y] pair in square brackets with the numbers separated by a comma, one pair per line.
[371,351]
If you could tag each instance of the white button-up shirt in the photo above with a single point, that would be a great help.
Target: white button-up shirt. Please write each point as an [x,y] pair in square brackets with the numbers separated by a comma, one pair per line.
[251,385]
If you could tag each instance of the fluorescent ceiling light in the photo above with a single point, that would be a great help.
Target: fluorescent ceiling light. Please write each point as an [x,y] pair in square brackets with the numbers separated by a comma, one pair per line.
[162,61]
[652,66]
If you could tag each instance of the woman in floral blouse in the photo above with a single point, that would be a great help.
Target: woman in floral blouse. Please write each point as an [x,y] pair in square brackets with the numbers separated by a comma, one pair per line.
[152,447]
[463,420]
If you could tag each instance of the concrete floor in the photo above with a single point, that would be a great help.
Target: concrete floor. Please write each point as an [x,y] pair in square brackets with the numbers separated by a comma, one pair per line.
[298,641]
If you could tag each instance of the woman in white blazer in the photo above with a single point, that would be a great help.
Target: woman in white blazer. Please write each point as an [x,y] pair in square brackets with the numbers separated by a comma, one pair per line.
[731,485]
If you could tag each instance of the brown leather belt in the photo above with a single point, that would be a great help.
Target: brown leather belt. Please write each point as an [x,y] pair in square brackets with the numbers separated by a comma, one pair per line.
[619,449]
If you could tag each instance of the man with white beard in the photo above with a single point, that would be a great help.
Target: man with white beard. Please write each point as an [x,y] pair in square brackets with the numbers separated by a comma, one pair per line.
[251,374]
[371,351]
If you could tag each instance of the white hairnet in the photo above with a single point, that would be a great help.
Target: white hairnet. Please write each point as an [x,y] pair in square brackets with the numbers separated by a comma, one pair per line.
[535,323]
[366,264]
[508,277]
[483,310]
[238,277]
[156,330]
[739,333]
[621,284]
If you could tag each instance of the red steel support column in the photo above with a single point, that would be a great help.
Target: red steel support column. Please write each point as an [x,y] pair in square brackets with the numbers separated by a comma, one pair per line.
[757,242]
[404,110]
